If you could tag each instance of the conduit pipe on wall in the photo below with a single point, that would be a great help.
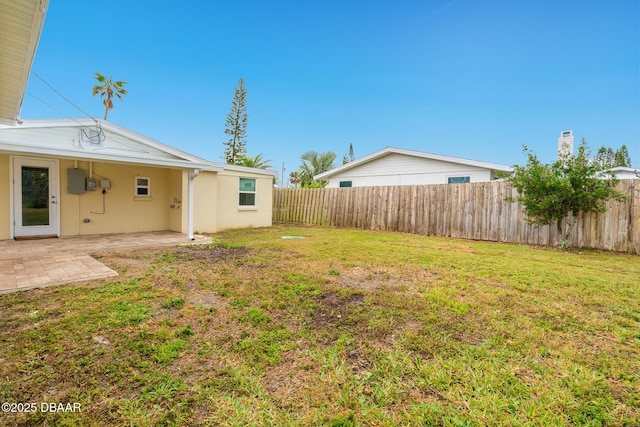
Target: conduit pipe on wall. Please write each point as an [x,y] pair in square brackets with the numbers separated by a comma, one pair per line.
[192,174]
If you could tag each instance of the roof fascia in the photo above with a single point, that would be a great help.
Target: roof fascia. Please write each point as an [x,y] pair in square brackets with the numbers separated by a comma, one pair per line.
[71,154]
[36,31]
[353,164]
[393,150]
[237,168]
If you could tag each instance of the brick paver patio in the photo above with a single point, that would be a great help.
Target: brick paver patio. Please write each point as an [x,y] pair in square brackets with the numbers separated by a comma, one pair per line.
[36,263]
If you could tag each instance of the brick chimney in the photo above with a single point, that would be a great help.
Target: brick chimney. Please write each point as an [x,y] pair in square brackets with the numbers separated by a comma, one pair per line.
[565,144]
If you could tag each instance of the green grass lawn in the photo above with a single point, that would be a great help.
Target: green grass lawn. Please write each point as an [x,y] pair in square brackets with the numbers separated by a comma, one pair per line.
[341,328]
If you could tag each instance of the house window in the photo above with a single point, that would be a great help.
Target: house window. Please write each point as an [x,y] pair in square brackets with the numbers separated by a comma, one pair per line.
[346,184]
[247,192]
[458,179]
[143,186]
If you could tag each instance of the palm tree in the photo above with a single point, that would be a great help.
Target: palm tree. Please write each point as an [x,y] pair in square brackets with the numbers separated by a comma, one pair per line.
[314,163]
[257,162]
[295,177]
[107,89]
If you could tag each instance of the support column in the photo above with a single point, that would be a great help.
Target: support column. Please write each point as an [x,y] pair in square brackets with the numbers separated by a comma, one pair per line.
[192,174]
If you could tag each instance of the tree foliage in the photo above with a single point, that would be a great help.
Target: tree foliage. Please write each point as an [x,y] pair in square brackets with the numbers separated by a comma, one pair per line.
[607,158]
[295,178]
[107,89]
[257,161]
[236,126]
[350,157]
[622,157]
[314,163]
[564,188]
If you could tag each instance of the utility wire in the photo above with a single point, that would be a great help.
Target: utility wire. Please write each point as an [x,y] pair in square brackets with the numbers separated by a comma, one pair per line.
[61,95]
[52,107]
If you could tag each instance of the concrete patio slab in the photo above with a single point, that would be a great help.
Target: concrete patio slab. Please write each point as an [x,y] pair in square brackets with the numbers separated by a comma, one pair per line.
[36,263]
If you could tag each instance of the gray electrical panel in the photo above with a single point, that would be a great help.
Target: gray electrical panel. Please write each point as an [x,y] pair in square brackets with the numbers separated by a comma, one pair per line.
[75,181]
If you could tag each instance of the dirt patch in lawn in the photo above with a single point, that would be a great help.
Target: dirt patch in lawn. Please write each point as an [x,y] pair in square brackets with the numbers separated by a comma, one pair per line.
[131,262]
[210,252]
[392,280]
[289,379]
[332,308]
[206,300]
[136,261]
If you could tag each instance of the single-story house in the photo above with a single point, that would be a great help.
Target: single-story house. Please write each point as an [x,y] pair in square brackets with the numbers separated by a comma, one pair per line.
[86,176]
[67,177]
[625,173]
[397,166]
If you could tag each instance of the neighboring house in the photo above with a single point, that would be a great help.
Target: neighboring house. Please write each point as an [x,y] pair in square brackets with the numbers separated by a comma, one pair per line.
[624,173]
[75,177]
[396,166]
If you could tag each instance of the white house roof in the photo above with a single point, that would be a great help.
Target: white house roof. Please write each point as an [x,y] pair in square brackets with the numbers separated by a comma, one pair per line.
[237,168]
[392,150]
[21,23]
[621,173]
[623,169]
[99,140]
[93,139]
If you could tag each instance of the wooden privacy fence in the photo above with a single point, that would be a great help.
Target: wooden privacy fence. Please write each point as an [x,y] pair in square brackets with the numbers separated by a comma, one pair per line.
[471,211]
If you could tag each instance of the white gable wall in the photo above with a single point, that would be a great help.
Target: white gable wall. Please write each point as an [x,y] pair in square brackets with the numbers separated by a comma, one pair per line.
[398,169]
[74,142]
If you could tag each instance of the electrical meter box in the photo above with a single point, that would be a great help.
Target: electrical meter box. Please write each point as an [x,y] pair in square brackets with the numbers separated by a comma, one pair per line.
[75,181]
[91,184]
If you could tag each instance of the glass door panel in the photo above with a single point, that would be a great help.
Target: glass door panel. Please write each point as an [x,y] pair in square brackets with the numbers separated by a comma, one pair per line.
[35,196]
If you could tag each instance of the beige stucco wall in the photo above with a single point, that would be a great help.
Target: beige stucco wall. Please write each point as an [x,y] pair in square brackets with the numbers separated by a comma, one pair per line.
[216,206]
[177,202]
[122,211]
[230,214]
[5,191]
[205,212]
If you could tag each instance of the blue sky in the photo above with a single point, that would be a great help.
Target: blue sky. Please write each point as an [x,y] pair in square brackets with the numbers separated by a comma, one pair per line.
[466,78]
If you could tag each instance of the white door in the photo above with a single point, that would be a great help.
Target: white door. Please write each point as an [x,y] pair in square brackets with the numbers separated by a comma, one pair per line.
[36,210]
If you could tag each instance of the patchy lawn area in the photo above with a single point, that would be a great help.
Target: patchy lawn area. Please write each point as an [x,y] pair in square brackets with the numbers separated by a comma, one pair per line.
[341,328]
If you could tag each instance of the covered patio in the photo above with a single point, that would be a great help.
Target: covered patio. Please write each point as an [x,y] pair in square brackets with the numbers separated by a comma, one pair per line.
[37,263]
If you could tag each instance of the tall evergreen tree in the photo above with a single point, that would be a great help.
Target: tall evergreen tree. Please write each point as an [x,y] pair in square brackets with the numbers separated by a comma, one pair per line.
[349,157]
[604,157]
[607,158]
[236,126]
[622,158]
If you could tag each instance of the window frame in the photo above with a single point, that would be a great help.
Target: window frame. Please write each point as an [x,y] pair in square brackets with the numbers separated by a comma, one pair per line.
[138,186]
[241,192]
[466,177]
[350,182]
